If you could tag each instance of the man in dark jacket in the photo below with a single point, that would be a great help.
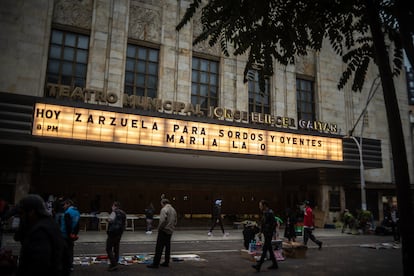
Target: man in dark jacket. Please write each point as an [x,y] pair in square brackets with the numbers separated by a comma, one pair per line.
[268,225]
[42,246]
[116,227]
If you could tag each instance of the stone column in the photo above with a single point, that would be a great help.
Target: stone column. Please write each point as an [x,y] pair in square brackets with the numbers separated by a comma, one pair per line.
[109,35]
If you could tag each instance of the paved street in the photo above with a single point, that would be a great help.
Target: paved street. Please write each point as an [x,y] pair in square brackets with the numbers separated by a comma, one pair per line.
[342,254]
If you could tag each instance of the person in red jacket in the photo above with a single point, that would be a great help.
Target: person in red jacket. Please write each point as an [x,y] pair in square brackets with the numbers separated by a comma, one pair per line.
[308,226]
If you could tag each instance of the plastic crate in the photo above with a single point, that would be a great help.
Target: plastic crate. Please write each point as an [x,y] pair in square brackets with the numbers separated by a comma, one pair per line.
[299,230]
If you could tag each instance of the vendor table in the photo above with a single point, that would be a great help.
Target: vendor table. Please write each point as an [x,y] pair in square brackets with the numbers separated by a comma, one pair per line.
[129,224]
[103,219]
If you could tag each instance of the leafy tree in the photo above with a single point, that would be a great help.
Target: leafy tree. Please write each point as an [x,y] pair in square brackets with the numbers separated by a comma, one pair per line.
[280,30]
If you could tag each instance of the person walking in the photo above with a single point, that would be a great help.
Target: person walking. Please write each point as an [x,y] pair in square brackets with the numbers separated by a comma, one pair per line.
[149,217]
[217,219]
[116,228]
[309,225]
[69,228]
[166,227]
[268,224]
[42,246]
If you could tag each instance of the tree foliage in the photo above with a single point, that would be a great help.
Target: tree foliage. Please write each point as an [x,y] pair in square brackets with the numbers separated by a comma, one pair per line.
[281,30]
[360,31]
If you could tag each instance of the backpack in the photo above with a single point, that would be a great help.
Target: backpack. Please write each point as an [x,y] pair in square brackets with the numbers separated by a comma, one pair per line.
[117,226]
[149,213]
[269,222]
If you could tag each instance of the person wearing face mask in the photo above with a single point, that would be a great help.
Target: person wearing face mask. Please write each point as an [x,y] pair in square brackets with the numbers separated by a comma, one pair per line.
[217,218]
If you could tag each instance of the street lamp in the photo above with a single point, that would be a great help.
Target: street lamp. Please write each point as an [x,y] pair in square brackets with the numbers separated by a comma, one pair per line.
[371,94]
[361,171]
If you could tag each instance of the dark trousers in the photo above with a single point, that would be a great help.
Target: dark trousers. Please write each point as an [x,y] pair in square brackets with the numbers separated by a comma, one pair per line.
[396,231]
[218,221]
[267,247]
[307,234]
[112,248]
[149,224]
[163,240]
[70,244]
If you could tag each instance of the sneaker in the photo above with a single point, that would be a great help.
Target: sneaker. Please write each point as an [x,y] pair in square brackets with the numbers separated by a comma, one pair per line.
[225,235]
[210,234]
[320,245]
[148,232]
[164,264]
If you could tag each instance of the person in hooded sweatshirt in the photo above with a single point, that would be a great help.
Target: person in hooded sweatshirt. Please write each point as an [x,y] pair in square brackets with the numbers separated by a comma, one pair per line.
[216,216]
[42,246]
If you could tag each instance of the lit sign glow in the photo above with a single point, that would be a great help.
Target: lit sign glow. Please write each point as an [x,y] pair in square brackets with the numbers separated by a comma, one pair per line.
[105,126]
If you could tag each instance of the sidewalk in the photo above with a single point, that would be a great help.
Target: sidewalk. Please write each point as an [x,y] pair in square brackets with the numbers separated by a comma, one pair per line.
[342,254]
[178,236]
[187,235]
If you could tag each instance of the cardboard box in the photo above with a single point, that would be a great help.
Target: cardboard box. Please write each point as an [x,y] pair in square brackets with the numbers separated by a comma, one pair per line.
[251,256]
[294,250]
[319,218]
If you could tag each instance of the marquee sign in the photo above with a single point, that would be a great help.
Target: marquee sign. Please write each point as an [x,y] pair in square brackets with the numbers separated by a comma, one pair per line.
[106,126]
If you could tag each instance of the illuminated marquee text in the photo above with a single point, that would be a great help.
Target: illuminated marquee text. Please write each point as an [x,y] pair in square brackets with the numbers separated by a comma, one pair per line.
[105,126]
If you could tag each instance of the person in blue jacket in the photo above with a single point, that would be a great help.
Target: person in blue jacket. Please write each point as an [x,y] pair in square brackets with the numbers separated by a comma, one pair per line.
[69,228]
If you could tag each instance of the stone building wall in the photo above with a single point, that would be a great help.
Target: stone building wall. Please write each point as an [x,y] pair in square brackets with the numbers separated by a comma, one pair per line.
[25,37]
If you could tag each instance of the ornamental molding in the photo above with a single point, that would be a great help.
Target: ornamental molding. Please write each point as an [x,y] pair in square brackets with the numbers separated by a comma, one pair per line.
[73,13]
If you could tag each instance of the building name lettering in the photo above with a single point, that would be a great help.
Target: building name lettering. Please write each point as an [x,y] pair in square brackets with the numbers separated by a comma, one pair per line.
[186,109]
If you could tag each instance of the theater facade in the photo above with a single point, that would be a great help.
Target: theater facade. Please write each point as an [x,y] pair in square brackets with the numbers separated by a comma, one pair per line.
[105,99]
